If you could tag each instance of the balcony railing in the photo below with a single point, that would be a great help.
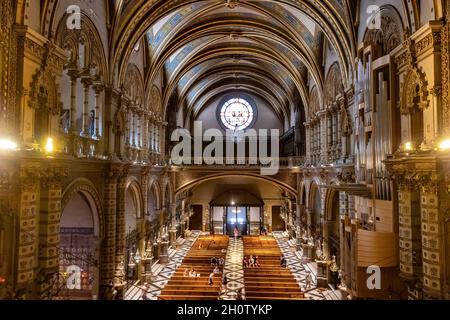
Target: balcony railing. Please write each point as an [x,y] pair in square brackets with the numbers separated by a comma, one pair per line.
[239,163]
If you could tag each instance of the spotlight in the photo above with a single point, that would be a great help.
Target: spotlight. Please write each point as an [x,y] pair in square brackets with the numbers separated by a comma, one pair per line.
[6,144]
[408,146]
[49,146]
[444,145]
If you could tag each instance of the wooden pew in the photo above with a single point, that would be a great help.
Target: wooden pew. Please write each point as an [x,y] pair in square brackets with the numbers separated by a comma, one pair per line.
[269,281]
[199,258]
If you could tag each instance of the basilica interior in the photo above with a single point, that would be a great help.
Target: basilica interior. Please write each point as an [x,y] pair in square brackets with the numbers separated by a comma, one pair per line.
[115,116]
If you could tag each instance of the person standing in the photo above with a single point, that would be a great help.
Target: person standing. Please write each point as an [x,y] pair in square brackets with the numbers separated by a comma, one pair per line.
[308,279]
[224,283]
[211,279]
[236,233]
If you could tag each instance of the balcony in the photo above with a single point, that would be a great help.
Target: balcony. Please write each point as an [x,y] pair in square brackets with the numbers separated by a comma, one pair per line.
[241,163]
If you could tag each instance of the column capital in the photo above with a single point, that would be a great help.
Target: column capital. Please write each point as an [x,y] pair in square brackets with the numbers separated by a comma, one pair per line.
[53,176]
[98,86]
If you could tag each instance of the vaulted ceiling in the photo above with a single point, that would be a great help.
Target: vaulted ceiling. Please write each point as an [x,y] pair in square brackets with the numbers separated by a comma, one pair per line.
[206,48]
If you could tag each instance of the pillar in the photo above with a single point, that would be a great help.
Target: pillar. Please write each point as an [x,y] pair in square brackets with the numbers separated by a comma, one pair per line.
[108,248]
[173,229]
[98,88]
[120,231]
[410,242]
[72,73]
[431,243]
[27,240]
[128,127]
[86,87]
[49,220]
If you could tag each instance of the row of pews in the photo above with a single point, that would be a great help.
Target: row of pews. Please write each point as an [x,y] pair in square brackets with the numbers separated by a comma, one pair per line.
[269,281]
[182,287]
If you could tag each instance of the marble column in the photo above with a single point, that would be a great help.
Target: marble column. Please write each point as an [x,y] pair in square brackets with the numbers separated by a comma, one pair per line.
[431,241]
[73,75]
[120,229]
[98,88]
[87,82]
[27,190]
[108,249]
[49,220]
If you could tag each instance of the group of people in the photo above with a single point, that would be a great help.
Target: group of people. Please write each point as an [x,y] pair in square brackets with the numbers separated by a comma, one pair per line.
[217,261]
[251,262]
[191,273]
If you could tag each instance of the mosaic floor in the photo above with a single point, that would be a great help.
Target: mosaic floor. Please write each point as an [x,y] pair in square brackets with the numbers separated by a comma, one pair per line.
[163,273]
[299,269]
[233,269]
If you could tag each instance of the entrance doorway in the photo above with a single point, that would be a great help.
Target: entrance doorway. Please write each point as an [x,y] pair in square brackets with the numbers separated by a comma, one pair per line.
[277,221]
[237,218]
[196,221]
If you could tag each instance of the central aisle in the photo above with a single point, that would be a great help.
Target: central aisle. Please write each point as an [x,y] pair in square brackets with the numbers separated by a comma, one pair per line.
[233,269]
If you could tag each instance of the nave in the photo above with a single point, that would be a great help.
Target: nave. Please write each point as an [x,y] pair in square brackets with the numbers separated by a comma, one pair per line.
[187,277]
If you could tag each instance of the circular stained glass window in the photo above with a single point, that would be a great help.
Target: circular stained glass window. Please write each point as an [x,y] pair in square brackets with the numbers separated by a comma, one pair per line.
[237,114]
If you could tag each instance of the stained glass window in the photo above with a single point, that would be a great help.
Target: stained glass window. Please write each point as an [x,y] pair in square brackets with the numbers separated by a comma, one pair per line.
[237,114]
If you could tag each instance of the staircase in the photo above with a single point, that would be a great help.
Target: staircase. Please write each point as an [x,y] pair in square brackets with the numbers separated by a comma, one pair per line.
[269,281]
[181,287]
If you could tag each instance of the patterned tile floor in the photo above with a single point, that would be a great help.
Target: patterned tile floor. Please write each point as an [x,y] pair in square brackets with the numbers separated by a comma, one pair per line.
[163,273]
[299,269]
[233,269]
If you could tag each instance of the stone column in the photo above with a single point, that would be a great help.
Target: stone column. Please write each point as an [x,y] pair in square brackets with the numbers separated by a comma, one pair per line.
[111,109]
[128,127]
[158,137]
[108,248]
[343,208]
[145,136]
[164,247]
[139,129]
[27,239]
[322,137]
[409,221]
[152,136]
[120,231]
[98,88]
[87,82]
[326,251]
[431,240]
[73,74]
[173,229]
[133,128]
[308,142]
[49,220]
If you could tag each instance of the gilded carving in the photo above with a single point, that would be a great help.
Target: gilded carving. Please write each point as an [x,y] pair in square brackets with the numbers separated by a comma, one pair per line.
[414,92]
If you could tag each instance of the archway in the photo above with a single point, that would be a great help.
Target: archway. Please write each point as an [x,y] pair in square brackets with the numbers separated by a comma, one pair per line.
[333,225]
[133,216]
[315,207]
[168,201]
[79,254]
